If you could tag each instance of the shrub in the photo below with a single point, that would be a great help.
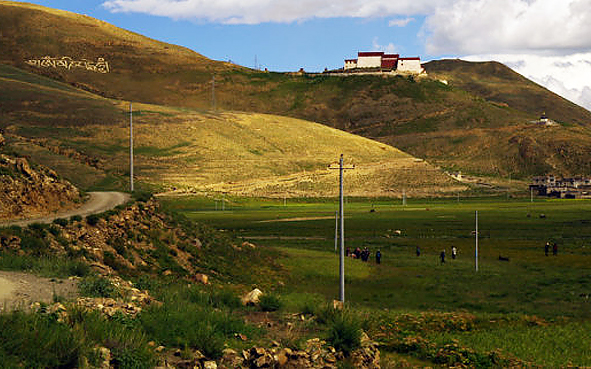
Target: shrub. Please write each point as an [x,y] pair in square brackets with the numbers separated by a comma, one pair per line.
[142,196]
[92,219]
[35,245]
[344,332]
[36,341]
[61,222]
[270,302]
[181,323]
[94,286]
[75,218]
[55,231]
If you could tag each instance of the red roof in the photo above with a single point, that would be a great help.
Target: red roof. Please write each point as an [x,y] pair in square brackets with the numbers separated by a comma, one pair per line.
[370,53]
[350,60]
[391,56]
[389,63]
[417,58]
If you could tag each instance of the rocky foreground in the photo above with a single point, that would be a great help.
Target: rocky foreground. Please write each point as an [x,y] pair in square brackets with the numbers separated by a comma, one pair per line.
[28,192]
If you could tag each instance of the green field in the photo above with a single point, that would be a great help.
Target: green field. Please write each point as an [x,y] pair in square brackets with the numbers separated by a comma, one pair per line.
[532,307]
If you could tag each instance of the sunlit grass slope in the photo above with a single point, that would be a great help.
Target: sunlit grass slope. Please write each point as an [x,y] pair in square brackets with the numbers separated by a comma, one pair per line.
[480,122]
[86,138]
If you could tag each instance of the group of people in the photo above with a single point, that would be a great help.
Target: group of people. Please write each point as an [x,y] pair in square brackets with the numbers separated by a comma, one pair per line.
[554,249]
[363,254]
[454,254]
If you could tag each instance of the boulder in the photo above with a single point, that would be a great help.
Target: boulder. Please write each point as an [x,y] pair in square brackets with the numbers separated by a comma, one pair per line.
[252,298]
[202,278]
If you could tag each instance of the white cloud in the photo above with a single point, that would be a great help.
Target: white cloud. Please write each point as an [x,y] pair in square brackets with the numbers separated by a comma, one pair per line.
[505,26]
[390,48]
[282,11]
[400,22]
[568,76]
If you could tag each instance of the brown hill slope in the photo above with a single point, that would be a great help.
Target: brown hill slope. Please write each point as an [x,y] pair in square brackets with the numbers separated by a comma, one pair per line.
[496,82]
[85,138]
[479,123]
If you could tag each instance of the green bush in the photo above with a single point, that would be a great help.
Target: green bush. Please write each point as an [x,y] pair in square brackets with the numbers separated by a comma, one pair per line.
[55,231]
[216,298]
[344,332]
[123,337]
[75,218]
[36,341]
[142,196]
[184,324]
[270,302]
[92,219]
[35,245]
[61,222]
[94,286]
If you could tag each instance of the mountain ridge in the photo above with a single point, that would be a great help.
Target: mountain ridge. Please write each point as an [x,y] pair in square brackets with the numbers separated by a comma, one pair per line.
[479,122]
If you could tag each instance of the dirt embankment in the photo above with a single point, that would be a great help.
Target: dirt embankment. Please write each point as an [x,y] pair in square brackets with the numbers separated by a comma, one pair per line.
[20,290]
[27,192]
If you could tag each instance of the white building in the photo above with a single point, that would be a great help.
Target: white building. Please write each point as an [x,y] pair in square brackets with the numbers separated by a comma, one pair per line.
[372,59]
[384,62]
[350,64]
[410,65]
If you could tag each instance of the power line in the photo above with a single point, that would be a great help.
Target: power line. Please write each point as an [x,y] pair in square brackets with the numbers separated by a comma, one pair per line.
[341,169]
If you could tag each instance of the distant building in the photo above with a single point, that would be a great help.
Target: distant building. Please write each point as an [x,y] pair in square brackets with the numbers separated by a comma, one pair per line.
[379,60]
[545,121]
[410,65]
[574,187]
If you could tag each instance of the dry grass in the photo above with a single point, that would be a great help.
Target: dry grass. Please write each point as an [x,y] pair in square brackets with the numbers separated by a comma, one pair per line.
[256,155]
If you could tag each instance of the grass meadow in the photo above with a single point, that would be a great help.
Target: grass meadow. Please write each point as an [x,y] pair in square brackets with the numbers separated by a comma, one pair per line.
[533,307]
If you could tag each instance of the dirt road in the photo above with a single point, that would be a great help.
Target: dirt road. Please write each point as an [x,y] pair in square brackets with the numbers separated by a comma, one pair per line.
[19,290]
[98,203]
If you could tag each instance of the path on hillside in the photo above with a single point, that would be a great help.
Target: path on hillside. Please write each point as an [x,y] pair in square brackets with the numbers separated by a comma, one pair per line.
[20,289]
[99,202]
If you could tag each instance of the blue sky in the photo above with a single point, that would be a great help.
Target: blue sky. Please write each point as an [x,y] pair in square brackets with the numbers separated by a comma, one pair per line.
[545,40]
[312,44]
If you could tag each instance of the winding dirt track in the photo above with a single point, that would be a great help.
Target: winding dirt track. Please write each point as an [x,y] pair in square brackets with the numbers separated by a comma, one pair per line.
[99,202]
[20,289]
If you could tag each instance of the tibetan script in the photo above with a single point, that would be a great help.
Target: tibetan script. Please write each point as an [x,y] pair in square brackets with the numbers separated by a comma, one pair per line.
[100,66]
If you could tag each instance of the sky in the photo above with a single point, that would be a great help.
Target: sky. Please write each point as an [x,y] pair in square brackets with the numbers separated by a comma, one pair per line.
[548,41]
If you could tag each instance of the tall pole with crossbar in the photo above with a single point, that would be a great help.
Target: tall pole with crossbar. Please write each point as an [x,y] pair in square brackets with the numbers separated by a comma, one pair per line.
[341,169]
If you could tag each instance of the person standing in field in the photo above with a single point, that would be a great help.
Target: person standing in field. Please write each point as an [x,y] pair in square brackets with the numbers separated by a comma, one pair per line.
[554,249]
[442,256]
[547,248]
[454,252]
[418,251]
[378,257]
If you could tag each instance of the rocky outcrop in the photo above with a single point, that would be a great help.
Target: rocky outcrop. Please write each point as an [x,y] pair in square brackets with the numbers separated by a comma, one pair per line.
[138,237]
[27,191]
[317,354]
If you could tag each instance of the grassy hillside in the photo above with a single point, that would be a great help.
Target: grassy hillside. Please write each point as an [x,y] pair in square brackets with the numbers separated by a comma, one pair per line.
[495,82]
[85,138]
[480,122]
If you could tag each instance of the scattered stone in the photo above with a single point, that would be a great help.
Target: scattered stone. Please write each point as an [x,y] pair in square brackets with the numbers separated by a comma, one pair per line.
[252,298]
[210,365]
[202,278]
[337,305]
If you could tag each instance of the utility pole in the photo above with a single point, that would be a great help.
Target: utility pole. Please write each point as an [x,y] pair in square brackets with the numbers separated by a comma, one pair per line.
[476,253]
[341,169]
[336,230]
[213,92]
[130,147]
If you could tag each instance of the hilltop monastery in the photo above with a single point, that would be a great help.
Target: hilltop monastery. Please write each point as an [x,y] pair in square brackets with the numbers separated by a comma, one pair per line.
[378,60]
